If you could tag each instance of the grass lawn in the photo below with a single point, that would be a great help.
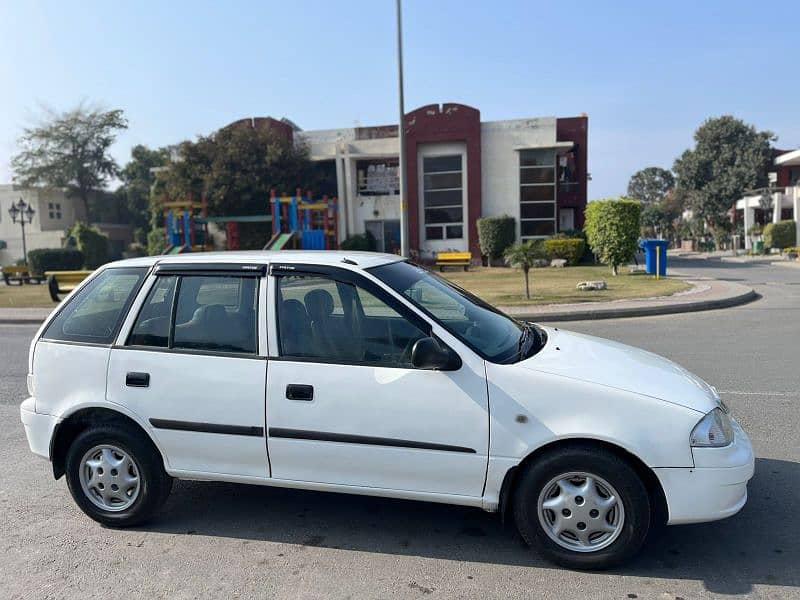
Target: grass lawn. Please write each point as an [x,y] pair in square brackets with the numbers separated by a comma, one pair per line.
[503,286]
[24,296]
[498,285]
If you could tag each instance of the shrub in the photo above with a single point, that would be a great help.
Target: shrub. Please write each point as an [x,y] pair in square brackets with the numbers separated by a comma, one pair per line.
[92,243]
[360,241]
[495,235]
[156,241]
[569,249]
[612,229]
[780,235]
[55,259]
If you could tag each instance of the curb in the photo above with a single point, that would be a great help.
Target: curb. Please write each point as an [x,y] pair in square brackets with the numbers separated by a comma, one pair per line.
[21,321]
[642,311]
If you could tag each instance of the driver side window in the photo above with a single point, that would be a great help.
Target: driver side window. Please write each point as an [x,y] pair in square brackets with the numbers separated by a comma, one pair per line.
[332,321]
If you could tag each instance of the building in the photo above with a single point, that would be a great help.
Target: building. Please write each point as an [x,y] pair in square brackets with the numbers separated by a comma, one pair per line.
[783,195]
[459,169]
[56,213]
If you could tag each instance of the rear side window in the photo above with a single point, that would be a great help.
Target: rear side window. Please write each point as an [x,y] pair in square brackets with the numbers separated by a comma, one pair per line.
[213,313]
[94,314]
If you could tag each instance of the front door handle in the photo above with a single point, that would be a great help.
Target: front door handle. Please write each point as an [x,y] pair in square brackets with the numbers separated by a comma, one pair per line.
[299,391]
[134,379]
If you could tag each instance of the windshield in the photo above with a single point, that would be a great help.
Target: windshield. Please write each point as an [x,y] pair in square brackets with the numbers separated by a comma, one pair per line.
[492,334]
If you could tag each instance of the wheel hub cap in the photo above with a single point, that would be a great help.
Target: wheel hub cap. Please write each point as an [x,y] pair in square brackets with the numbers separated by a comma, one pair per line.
[581,512]
[109,478]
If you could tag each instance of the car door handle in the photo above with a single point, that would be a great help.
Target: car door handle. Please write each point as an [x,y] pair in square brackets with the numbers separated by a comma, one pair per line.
[133,379]
[298,391]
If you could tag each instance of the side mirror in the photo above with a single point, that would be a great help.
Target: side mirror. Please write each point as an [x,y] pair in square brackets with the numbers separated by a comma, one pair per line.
[428,353]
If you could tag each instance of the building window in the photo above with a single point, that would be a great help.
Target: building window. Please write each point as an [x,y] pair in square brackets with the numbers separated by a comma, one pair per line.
[378,177]
[54,210]
[443,197]
[537,193]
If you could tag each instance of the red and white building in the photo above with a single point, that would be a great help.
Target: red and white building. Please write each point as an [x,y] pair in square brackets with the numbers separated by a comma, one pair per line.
[459,169]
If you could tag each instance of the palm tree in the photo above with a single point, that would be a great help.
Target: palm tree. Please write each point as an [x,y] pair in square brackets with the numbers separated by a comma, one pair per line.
[523,256]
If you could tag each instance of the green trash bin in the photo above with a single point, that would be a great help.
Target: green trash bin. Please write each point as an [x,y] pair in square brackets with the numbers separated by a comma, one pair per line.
[758,247]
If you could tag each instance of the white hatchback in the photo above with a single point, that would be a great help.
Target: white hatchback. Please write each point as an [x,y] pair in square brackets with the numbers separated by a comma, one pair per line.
[362,373]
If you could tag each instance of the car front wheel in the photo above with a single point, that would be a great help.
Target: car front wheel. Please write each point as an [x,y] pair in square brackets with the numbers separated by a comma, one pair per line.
[582,507]
[115,476]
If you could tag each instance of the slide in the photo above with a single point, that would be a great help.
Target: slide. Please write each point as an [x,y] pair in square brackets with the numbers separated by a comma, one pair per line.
[279,241]
[175,250]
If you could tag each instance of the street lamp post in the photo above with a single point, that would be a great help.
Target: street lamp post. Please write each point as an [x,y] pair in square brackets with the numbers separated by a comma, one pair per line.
[24,211]
[402,135]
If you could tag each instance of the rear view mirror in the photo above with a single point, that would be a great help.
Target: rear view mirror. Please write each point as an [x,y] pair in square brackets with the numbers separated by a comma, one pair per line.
[429,353]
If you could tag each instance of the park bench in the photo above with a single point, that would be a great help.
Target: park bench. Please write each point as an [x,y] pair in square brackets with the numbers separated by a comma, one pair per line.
[18,275]
[453,259]
[63,282]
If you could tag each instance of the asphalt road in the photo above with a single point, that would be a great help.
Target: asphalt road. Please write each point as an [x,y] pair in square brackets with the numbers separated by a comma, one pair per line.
[221,540]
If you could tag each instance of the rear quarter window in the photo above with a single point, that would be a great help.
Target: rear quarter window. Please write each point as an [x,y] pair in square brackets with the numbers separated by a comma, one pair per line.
[94,314]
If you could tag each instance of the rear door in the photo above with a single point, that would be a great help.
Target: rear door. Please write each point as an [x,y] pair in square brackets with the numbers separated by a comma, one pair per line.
[188,362]
[344,404]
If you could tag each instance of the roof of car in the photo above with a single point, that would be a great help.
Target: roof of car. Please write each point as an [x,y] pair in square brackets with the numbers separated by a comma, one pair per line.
[362,260]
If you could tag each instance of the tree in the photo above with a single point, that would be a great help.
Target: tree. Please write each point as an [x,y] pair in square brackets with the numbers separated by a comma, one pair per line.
[523,256]
[612,229]
[236,167]
[495,234]
[69,150]
[650,185]
[137,180]
[729,158]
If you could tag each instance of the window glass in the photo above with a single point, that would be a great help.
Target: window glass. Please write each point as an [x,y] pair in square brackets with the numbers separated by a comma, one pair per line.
[537,228]
[443,196]
[152,323]
[93,315]
[537,210]
[319,318]
[216,313]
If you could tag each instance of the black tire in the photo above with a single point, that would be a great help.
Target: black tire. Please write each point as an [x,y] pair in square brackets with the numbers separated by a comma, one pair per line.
[610,467]
[154,483]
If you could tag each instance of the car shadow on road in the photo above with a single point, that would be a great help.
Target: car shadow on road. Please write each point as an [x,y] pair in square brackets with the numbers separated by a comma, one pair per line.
[760,545]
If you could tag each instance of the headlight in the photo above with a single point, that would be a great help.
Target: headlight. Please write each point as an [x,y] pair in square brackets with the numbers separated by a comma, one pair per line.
[713,431]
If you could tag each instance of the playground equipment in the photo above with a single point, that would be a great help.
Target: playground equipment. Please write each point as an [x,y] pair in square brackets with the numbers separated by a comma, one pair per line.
[299,222]
[185,230]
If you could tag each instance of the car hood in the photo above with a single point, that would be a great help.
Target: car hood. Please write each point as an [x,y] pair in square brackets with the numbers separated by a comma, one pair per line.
[611,364]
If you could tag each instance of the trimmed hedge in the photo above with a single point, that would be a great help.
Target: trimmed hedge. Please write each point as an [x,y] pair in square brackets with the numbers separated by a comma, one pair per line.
[612,230]
[495,235]
[55,259]
[92,242]
[360,242]
[569,249]
[780,235]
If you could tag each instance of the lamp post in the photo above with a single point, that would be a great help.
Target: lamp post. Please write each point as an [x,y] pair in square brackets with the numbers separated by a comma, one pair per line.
[24,211]
[401,168]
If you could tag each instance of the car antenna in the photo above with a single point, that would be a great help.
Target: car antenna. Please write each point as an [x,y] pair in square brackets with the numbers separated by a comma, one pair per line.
[349,261]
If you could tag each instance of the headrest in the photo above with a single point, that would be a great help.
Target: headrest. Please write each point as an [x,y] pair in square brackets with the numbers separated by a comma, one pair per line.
[293,309]
[319,303]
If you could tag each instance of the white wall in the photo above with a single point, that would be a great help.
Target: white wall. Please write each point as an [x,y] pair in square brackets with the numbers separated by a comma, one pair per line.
[500,144]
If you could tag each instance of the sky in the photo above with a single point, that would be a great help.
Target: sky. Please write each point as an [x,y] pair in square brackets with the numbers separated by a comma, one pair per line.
[647,74]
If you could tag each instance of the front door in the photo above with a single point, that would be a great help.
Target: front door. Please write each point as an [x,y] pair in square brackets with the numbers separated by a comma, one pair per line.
[190,366]
[344,404]
[566,219]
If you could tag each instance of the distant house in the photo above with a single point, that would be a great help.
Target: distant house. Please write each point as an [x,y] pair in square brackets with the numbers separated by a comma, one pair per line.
[55,214]
[783,195]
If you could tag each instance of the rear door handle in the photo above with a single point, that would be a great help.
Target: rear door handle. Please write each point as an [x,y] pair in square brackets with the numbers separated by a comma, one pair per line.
[134,379]
[299,391]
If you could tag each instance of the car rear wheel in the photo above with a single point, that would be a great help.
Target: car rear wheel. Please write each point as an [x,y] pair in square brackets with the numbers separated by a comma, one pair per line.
[115,476]
[582,507]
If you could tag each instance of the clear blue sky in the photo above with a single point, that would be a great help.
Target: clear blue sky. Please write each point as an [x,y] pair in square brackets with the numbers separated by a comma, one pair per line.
[646,73]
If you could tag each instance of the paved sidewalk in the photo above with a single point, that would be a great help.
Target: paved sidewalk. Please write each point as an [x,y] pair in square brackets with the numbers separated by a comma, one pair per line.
[706,294]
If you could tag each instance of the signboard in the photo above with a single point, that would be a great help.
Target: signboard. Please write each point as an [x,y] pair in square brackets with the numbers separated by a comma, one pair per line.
[378,177]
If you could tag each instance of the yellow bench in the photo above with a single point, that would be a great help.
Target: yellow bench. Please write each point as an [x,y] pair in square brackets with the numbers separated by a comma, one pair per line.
[63,282]
[19,275]
[453,259]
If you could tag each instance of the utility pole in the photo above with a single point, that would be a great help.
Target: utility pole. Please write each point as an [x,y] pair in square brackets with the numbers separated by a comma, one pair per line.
[404,250]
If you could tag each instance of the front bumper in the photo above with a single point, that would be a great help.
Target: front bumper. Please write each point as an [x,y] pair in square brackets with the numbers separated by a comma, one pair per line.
[715,488]
[38,428]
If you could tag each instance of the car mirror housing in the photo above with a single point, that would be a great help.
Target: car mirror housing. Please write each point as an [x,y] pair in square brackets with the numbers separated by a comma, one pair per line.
[429,353]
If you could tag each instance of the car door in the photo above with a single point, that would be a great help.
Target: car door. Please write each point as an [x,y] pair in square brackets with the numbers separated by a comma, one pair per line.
[344,404]
[188,363]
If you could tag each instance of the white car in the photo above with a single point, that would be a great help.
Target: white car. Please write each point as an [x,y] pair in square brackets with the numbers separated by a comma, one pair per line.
[362,373]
